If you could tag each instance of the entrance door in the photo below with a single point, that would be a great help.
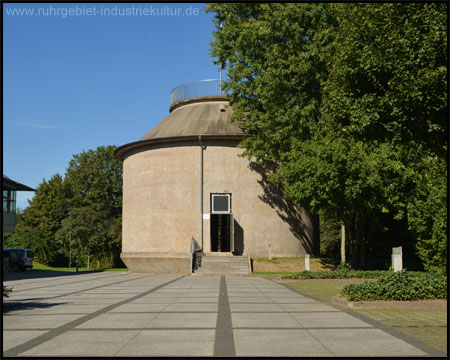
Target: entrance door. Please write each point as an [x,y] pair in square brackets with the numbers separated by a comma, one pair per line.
[222,223]
[222,233]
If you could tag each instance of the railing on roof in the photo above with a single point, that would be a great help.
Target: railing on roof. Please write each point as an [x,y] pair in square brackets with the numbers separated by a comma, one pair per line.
[210,87]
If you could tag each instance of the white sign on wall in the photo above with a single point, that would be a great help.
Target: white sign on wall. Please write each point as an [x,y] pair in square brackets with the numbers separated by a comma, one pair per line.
[206,216]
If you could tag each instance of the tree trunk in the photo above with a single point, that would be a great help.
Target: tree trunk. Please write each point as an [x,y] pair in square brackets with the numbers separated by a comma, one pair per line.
[89,256]
[352,233]
[357,240]
[365,231]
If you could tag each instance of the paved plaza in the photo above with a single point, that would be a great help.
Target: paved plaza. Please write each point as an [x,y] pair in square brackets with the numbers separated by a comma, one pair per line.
[123,314]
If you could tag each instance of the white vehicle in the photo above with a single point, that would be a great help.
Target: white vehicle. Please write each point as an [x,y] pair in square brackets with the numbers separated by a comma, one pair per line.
[17,259]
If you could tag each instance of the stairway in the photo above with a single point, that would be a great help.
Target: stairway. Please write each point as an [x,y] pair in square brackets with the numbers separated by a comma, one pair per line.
[222,264]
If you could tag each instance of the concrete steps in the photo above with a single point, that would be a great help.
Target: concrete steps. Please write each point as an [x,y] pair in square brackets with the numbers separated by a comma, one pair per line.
[220,264]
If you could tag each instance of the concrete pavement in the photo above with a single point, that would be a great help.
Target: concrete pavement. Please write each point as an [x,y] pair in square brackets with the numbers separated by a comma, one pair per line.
[122,314]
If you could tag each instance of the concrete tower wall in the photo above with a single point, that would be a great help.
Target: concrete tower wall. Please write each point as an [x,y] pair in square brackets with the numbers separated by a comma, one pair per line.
[161,206]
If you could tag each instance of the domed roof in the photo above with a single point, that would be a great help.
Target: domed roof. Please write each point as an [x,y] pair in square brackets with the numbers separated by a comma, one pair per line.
[197,116]
[207,117]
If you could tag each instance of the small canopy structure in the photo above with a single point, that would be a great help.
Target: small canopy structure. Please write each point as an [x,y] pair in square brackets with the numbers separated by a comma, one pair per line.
[9,184]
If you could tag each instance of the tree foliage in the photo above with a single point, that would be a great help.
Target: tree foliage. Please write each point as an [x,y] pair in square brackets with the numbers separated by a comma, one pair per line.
[49,206]
[427,213]
[272,56]
[43,248]
[80,212]
[388,77]
[340,102]
[85,230]
[95,177]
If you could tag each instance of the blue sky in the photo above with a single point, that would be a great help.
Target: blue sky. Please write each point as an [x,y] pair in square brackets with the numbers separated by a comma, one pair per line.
[76,77]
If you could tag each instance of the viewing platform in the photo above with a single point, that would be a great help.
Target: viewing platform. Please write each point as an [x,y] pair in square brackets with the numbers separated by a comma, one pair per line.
[195,89]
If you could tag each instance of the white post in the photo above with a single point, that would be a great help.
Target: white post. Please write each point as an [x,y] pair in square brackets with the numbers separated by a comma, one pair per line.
[342,244]
[397,262]
[270,252]
[307,262]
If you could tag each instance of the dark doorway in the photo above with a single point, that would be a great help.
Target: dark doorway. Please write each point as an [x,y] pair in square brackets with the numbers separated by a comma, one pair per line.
[221,232]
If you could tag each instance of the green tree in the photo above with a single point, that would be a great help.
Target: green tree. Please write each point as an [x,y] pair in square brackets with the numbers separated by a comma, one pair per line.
[388,76]
[95,177]
[37,225]
[49,206]
[388,83]
[85,230]
[305,86]
[346,180]
[272,55]
[93,182]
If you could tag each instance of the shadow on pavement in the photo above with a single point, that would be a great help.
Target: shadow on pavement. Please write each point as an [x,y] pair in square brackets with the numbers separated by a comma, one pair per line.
[20,305]
[32,274]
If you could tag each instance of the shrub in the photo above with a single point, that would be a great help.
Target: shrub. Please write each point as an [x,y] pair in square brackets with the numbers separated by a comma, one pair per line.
[427,214]
[401,285]
[6,290]
[330,238]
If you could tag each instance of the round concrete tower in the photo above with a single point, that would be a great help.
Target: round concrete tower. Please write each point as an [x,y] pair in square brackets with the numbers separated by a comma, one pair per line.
[184,184]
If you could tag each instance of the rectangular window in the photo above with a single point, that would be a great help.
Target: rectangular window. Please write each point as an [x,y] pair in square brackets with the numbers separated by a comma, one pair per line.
[9,201]
[221,203]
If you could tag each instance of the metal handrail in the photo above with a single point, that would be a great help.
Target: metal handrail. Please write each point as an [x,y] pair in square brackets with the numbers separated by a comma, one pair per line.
[191,263]
[208,87]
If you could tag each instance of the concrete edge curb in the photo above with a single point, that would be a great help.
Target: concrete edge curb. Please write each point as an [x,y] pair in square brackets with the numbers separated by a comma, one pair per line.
[342,301]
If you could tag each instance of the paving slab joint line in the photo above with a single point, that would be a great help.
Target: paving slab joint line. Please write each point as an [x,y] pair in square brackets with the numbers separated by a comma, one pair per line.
[378,325]
[15,351]
[139,332]
[25,304]
[312,335]
[224,345]
[63,283]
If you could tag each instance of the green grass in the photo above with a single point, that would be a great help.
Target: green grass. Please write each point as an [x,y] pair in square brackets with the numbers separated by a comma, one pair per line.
[38,266]
[296,263]
[338,274]
[270,272]
[426,325]
[321,290]
[278,260]
[312,260]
